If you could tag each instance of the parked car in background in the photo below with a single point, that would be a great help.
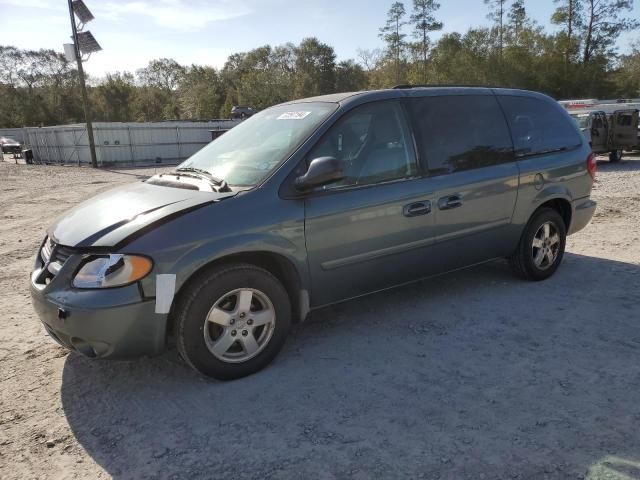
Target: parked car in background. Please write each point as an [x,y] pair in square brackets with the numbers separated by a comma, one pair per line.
[611,132]
[239,112]
[9,145]
[307,204]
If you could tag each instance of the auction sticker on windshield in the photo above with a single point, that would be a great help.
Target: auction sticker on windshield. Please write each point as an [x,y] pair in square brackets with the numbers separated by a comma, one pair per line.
[293,115]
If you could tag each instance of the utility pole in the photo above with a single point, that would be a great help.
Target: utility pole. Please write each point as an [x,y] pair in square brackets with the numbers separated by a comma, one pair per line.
[83,86]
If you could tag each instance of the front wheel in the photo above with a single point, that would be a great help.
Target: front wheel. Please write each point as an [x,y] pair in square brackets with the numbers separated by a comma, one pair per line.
[615,156]
[541,246]
[232,321]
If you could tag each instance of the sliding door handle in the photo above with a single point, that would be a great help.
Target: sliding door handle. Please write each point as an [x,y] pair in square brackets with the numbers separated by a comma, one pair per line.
[452,201]
[417,208]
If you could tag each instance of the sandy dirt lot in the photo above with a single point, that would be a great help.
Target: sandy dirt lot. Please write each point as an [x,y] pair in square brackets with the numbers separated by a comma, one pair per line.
[475,374]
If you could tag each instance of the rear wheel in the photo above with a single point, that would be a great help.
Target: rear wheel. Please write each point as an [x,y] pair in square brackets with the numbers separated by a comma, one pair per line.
[541,246]
[233,321]
[615,156]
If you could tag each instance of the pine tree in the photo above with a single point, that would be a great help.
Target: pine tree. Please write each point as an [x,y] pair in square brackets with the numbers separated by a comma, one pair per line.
[497,13]
[392,34]
[517,17]
[424,21]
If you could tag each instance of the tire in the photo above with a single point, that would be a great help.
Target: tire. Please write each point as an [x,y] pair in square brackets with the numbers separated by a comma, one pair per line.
[524,260]
[220,321]
[615,156]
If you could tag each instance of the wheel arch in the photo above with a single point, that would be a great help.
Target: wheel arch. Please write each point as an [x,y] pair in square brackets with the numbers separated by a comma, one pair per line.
[277,264]
[562,206]
[557,197]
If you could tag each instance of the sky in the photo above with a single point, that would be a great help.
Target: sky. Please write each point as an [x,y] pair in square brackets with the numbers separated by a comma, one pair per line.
[206,32]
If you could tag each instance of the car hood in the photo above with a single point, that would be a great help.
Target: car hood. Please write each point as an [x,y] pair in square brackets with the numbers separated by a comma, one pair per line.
[108,219]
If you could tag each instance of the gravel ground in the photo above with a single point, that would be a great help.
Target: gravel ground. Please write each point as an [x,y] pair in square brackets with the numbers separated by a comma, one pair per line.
[471,375]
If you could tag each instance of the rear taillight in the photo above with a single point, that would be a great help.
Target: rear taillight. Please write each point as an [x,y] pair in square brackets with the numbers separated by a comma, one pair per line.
[592,165]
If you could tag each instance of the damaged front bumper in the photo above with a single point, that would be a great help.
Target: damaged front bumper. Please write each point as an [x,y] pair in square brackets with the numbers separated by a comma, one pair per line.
[105,323]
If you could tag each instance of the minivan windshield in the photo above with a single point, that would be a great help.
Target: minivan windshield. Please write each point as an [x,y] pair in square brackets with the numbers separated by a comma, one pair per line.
[247,153]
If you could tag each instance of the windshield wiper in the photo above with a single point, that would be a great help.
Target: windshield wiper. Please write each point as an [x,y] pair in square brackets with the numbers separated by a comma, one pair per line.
[200,172]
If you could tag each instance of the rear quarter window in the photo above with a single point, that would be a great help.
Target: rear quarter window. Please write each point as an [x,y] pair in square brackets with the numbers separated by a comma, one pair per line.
[537,127]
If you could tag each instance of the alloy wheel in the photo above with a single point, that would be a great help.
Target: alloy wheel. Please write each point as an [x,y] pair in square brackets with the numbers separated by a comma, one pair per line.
[545,246]
[239,325]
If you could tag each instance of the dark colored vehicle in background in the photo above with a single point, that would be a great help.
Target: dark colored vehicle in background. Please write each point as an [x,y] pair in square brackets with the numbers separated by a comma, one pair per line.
[239,112]
[307,204]
[9,145]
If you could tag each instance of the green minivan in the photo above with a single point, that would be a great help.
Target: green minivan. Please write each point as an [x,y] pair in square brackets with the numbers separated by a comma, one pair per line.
[310,203]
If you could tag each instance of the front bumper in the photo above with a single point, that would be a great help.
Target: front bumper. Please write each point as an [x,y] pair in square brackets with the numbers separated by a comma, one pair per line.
[583,210]
[105,323]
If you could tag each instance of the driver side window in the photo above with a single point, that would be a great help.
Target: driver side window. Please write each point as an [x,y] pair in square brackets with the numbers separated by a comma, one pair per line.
[373,144]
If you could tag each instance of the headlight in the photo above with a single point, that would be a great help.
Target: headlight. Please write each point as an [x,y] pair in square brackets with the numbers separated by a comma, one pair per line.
[112,271]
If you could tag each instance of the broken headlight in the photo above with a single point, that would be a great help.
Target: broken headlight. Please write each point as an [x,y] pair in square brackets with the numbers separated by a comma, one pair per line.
[114,270]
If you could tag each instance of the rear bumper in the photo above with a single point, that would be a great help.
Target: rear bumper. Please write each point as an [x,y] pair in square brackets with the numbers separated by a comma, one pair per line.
[109,327]
[583,210]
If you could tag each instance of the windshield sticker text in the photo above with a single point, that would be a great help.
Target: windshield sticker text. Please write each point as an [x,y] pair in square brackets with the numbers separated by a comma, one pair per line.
[293,115]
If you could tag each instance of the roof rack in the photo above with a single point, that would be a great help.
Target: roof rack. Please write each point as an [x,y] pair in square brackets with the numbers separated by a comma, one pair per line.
[440,85]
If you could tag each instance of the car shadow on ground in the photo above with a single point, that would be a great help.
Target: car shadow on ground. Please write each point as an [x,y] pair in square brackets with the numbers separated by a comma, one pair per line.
[470,373]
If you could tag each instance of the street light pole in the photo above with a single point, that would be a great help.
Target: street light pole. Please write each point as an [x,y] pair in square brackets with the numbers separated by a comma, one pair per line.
[83,86]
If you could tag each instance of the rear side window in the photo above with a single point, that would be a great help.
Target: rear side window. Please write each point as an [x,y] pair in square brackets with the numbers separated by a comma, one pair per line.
[538,127]
[625,120]
[457,133]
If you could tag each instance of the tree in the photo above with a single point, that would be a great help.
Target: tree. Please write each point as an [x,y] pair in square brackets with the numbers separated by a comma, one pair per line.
[164,73]
[315,68]
[424,22]
[517,17]
[160,80]
[35,82]
[392,34]
[496,14]
[604,24]
[149,104]
[627,74]
[199,93]
[10,60]
[113,99]
[369,59]
[350,77]
[569,15]
[374,63]
[260,78]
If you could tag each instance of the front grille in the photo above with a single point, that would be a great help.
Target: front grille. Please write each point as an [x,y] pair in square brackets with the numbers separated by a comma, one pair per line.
[52,257]
[54,253]
[61,254]
[45,253]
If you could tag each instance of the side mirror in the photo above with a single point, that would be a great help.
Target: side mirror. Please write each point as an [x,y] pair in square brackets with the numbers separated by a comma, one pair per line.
[321,171]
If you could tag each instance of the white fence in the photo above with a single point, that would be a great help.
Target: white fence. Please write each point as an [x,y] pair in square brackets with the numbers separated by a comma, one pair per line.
[122,143]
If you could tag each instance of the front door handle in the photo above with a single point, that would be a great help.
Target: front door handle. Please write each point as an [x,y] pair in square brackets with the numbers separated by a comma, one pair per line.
[452,201]
[417,208]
